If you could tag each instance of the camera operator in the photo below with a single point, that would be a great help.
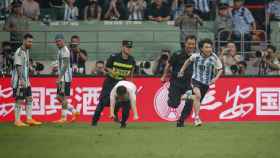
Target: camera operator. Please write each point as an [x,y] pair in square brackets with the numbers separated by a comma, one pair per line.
[230,59]
[6,58]
[159,64]
[268,61]
[145,68]
[78,56]
[35,67]
[239,68]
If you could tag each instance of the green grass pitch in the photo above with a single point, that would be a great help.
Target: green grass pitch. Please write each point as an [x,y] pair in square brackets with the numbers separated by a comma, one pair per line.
[141,140]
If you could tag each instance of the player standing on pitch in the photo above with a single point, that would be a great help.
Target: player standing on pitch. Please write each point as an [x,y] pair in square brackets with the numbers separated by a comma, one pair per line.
[179,85]
[123,95]
[21,83]
[64,79]
[205,64]
[119,66]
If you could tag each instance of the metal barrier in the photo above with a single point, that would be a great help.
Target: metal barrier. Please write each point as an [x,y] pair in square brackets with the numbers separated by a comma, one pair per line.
[242,41]
[155,37]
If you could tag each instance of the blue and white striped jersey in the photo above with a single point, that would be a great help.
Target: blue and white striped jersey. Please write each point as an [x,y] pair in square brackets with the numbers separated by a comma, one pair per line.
[204,67]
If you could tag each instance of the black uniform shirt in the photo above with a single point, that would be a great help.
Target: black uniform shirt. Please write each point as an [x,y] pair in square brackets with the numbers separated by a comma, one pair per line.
[121,67]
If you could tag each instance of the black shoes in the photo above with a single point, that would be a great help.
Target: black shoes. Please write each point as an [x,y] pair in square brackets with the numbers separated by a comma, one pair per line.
[123,125]
[180,124]
[94,123]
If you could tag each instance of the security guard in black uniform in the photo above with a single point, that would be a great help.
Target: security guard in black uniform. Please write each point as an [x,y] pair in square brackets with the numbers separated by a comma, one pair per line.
[179,86]
[119,66]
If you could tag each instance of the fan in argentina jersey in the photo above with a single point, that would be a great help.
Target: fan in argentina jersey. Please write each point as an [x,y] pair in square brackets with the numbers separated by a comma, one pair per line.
[205,63]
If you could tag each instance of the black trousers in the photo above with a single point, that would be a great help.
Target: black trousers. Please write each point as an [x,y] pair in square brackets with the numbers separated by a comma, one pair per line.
[104,98]
[176,89]
[125,105]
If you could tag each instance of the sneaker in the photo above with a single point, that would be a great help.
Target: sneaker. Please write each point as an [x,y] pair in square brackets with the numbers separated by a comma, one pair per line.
[32,122]
[94,123]
[197,122]
[180,123]
[123,125]
[74,117]
[21,124]
[60,121]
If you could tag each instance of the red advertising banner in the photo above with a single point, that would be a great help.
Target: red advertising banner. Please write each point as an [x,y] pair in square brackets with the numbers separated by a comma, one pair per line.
[230,99]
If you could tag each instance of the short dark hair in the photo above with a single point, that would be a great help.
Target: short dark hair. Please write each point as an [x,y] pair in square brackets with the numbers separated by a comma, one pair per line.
[190,37]
[272,48]
[28,35]
[99,62]
[205,41]
[121,91]
[75,36]
[231,41]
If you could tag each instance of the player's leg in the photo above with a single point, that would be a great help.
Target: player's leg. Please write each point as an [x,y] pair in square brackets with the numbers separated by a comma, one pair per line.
[63,101]
[185,112]
[174,95]
[104,99]
[188,105]
[19,95]
[125,113]
[29,105]
[196,103]
[116,111]
[67,90]
[102,103]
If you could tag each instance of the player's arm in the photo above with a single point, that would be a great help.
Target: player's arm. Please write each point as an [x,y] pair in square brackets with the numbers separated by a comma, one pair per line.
[132,98]
[19,68]
[132,71]
[66,63]
[112,102]
[109,65]
[184,67]
[131,74]
[219,67]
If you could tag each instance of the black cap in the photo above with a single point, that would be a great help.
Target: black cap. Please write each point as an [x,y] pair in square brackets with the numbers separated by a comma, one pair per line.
[223,6]
[127,43]
[16,4]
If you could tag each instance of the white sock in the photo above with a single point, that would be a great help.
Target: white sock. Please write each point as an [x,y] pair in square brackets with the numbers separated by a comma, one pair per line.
[64,113]
[29,110]
[17,111]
